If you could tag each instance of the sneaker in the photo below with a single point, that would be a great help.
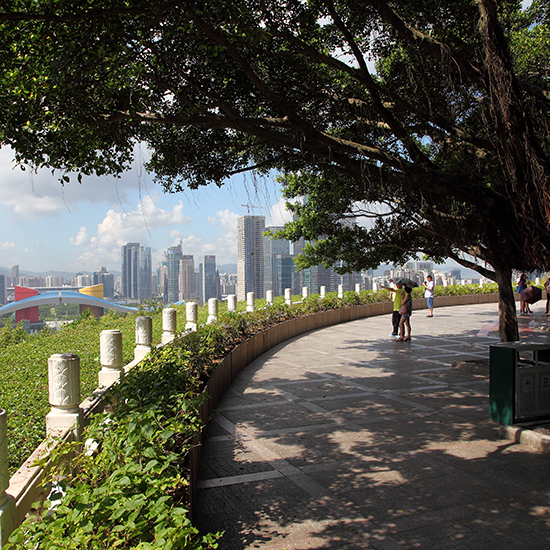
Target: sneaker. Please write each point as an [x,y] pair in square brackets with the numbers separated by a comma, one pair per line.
[393,335]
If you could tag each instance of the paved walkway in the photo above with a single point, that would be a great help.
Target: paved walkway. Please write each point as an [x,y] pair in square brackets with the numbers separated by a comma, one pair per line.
[343,438]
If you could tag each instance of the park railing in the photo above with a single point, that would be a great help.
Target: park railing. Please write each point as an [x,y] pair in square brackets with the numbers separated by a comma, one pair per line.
[68,416]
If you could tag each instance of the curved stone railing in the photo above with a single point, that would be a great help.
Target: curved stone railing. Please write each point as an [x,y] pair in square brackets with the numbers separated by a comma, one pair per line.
[67,416]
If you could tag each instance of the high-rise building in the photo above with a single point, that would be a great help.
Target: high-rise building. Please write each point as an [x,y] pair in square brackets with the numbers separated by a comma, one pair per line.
[298,280]
[103,277]
[210,282]
[145,272]
[173,257]
[317,276]
[15,275]
[274,250]
[187,278]
[3,289]
[250,256]
[136,271]
[130,270]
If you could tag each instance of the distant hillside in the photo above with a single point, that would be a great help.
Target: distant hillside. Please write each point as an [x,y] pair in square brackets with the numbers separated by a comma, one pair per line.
[227,268]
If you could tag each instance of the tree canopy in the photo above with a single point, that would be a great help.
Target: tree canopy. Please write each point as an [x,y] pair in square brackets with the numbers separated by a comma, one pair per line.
[442,149]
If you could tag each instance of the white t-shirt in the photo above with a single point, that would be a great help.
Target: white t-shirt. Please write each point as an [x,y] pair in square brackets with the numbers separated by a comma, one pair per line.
[429,292]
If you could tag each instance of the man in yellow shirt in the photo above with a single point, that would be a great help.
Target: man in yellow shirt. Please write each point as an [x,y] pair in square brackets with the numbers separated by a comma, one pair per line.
[397,297]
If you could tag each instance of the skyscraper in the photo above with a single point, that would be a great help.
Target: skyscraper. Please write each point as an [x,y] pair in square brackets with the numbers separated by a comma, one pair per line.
[173,258]
[103,277]
[145,272]
[250,256]
[210,279]
[187,278]
[274,252]
[130,270]
[15,275]
[3,288]
[136,271]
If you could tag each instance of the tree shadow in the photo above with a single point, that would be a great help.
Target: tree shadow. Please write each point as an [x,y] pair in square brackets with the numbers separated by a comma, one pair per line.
[318,449]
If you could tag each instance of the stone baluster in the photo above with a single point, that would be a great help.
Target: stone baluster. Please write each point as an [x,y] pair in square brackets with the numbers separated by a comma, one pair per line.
[144,337]
[250,301]
[323,291]
[169,318]
[110,353]
[212,310]
[64,393]
[340,291]
[305,292]
[232,302]
[7,502]
[357,288]
[288,296]
[191,316]
[269,297]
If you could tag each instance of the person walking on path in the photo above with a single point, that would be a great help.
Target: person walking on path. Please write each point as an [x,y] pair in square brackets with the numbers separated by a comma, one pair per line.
[405,312]
[429,294]
[397,297]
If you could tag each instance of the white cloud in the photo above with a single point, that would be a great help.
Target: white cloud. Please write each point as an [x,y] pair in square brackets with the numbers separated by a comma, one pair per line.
[118,228]
[29,195]
[224,246]
[279,215]
[6,246]
[82,237]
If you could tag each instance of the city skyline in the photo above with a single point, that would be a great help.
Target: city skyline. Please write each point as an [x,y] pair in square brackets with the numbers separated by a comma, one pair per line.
[80,227]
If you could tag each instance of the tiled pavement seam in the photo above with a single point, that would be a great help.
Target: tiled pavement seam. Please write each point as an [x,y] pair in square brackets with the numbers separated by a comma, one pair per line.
[409,475]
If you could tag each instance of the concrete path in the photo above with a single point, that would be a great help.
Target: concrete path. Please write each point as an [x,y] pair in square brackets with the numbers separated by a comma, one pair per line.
[343,438]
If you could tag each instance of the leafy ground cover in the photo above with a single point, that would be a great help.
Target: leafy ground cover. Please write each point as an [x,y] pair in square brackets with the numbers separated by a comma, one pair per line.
[130,488]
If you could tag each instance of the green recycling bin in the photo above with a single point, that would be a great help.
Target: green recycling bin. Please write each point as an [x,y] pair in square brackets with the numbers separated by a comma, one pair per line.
[519,387]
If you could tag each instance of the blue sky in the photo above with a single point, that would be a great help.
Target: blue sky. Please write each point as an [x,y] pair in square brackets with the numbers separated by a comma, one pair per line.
[80,227]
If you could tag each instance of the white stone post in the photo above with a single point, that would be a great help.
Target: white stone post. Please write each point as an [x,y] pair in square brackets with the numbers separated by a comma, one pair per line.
[250,301]
[64,393]
[110,353]
[191,316]
[231,302]
[212,310]
[144,337]
[340,291]
[269,297]
[169,318]
[323,291]
[7,502]
[357,288]
[288,296]
[305,292]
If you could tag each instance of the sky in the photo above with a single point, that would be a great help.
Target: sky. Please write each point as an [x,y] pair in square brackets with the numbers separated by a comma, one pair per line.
[79,227]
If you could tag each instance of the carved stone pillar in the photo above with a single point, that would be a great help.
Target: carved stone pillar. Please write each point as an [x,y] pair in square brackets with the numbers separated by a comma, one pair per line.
[305,292]
[212,310]
[288,296]
[64,392]
[191,316]
[110,346]
[357,288]
[232,302]
[323,291]
[250,301]
[340,291]
[144,337]
[169,318]
[269,297]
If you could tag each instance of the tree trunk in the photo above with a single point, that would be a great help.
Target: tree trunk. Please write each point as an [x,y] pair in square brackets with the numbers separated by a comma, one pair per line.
[508,321]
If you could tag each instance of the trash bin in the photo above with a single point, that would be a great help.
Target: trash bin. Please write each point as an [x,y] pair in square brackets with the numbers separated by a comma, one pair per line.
[519,386]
